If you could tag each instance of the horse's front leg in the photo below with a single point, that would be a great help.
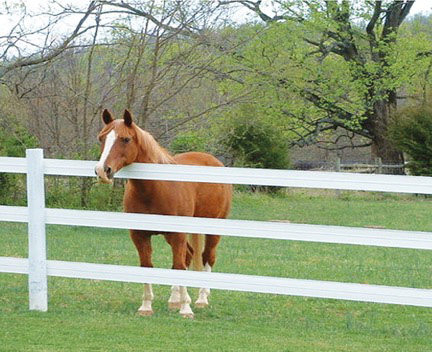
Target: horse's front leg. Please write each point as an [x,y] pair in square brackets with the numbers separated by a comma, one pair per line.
[179,294]
[208,259]
[175,298]
[174,301]
[147,299]
[143,245]
[204,292]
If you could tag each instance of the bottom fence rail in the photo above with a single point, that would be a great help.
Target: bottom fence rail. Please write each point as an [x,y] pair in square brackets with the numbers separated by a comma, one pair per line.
[234,282]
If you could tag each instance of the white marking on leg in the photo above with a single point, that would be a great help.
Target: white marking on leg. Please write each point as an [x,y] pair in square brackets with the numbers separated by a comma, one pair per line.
[204,293]
[146,306]
[175,298]
[185,309]
[109,142]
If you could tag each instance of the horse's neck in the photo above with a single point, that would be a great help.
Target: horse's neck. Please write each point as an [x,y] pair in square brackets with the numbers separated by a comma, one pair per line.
[151,151]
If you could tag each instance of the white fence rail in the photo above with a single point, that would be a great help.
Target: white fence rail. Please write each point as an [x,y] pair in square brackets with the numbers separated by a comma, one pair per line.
[284,178]
[37,267]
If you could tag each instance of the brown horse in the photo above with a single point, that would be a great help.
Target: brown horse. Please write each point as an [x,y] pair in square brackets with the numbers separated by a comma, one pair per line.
[124,143]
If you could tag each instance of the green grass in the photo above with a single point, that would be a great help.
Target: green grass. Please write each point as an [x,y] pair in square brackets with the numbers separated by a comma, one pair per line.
[91,315]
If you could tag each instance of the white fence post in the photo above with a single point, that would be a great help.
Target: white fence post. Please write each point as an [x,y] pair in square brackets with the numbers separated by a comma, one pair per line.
[38,290]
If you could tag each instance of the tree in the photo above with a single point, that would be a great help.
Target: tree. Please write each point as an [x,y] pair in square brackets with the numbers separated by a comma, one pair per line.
[151,58]
[320,66]
[17,48]
[361,40]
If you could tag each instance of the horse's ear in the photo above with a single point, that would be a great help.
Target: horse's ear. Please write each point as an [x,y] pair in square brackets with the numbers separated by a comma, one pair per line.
[127,117]
[107,117]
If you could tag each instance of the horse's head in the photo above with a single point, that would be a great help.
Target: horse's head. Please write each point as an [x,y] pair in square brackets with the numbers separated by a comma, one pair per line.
[119,145]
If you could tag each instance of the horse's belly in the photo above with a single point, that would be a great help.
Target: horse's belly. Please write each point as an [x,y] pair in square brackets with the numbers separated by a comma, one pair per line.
[213,200]
[160,197]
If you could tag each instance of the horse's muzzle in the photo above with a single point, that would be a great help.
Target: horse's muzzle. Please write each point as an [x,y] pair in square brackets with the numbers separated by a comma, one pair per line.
[105,175]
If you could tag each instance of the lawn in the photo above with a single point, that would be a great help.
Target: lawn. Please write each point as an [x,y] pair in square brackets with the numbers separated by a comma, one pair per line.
[90,315]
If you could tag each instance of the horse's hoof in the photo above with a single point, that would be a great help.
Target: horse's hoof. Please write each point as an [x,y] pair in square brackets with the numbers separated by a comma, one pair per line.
[188,315]
[174,305]
[201,305]
[145,313]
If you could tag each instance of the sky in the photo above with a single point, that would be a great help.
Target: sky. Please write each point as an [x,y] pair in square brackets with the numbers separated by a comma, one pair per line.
[421,7]
[66,26]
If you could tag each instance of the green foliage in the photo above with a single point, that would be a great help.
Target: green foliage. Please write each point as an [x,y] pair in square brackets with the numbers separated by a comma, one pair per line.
[278,69]
[64,192]
[188,142]
[299,71]
[13,144]
[254,142]
[411,131]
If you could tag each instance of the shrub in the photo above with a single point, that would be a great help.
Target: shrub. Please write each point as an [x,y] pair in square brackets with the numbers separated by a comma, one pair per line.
[254,143]
[411,131]
[13,144]
[188,142]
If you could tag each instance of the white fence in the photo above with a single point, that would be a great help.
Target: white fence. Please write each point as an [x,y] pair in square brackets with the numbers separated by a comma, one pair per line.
[37,267]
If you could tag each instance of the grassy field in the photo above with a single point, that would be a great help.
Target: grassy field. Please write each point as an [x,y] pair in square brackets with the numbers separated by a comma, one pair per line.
[89,315]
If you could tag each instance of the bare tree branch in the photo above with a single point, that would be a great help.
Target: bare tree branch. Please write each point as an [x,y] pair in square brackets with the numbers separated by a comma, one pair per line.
[254,6]
[127,8]
[370,28]
[24,62]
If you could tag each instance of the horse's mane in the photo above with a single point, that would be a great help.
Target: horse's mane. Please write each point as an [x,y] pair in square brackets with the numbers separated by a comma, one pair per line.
[153,151]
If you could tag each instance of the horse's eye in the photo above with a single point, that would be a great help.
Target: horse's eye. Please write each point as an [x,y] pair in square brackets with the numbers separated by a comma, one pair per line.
[126,140]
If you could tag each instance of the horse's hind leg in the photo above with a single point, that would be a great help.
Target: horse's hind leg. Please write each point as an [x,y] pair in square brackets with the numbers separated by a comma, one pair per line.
[143,245]
[208,259]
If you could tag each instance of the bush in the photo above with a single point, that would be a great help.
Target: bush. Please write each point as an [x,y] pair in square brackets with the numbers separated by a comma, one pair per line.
[253,142]
[13,144]
[411,131]
[188,142]
[64,192]
[256,144]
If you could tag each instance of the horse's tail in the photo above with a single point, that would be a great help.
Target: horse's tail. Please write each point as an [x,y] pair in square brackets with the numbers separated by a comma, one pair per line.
[197,243]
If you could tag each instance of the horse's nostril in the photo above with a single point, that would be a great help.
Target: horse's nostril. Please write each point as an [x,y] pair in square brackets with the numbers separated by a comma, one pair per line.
[107,170]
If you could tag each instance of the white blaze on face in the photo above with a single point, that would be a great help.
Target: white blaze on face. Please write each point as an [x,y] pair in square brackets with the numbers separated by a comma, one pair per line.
[109,142]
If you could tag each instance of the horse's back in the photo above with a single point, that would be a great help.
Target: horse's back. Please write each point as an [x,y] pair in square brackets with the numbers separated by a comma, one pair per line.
[212,200]
[197,158]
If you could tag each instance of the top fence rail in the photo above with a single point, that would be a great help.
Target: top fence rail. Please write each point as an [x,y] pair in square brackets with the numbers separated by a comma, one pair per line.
[249,176]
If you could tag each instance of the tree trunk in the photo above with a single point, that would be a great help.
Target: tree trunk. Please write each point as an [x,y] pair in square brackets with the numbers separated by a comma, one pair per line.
[86,185]
[383,148]
[378,124]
